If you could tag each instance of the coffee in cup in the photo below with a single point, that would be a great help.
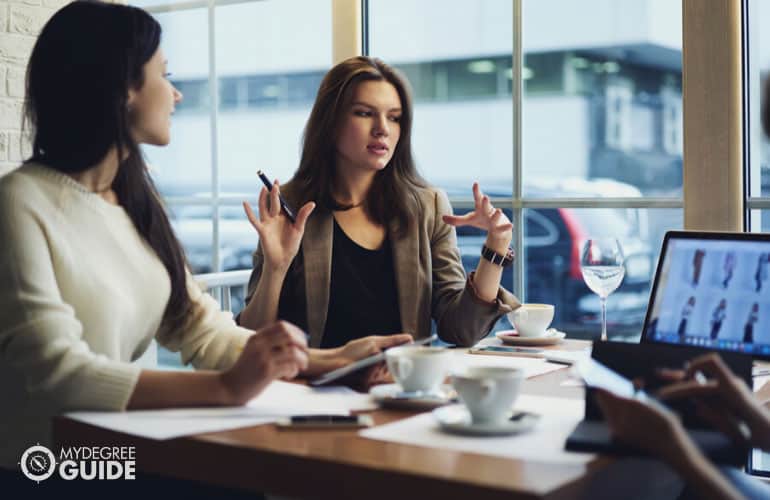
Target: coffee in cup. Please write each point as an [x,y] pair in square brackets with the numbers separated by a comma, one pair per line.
[532,320]
[418,368]
[488,391]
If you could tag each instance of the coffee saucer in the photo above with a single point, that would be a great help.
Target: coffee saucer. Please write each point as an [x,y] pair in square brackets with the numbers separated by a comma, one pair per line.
[511,337]
[392,396]
[456,419]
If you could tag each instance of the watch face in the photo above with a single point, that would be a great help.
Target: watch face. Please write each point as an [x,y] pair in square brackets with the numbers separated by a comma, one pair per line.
[38,463]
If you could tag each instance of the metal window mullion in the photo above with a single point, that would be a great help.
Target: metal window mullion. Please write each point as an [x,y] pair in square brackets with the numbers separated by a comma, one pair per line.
[192,4]
[758,204]
[575,202]
[213,119]
[519,278]
[751,101]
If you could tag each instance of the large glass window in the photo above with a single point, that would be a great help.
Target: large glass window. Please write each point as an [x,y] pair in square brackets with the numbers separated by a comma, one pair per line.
[268,60]
[599,149]
[460,69]
[602,98]
[576,131]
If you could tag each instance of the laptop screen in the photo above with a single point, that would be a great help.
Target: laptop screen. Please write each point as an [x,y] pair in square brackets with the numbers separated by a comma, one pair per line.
[712,290]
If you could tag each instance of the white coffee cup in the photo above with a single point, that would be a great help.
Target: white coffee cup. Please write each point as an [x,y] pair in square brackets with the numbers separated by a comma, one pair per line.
[488,391]
[418,368]
[532,320]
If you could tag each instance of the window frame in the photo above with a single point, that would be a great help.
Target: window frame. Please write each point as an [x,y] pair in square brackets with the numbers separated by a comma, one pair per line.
[713,197]
[518,202]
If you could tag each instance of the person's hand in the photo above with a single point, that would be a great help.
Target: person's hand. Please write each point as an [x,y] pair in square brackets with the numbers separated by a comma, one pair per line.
[721,398]
[650,428]
[362,348]
[365,379]
[655,429]
[484,216]
[368,346]
[763,395]
[278,351]
[280,239]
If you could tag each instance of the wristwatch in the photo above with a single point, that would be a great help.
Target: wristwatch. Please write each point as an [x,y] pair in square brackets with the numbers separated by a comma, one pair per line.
[495,258]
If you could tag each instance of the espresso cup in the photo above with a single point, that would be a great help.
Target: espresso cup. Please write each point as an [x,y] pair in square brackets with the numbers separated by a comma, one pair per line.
[418,368]
[532,320]
[488,391]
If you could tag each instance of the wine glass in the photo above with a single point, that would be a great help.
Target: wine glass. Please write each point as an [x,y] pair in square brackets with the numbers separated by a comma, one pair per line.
[601,263]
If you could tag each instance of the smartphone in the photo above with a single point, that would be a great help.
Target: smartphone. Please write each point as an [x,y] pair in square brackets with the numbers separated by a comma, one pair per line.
[326,421]
[500,350]
[598,376]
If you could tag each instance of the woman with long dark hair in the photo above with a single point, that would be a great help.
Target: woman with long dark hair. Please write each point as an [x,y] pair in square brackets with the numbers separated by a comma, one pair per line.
[90,269]
[379,252]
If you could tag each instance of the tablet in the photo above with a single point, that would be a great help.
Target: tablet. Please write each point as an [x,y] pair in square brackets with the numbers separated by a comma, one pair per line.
[360,364]
[598,376]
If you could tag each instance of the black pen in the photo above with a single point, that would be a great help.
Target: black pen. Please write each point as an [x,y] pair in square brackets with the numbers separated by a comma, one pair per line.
[285,206]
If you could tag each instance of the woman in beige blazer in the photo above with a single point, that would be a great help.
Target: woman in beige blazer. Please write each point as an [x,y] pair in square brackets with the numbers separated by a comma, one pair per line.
[373,249]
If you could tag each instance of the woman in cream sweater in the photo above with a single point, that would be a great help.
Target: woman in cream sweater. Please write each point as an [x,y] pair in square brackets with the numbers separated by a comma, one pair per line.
[90,269]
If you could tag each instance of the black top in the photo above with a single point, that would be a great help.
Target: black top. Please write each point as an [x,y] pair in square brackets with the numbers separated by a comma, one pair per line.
[363,298]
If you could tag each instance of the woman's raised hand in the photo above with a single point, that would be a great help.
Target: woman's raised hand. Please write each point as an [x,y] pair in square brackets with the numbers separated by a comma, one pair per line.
[278,351]
[484,216]
[280,239]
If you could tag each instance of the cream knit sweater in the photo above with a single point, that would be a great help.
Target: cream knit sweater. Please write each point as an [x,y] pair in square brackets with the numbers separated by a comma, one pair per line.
[81,297]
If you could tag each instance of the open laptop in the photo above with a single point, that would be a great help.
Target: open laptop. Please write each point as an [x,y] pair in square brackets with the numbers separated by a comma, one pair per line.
[712,290]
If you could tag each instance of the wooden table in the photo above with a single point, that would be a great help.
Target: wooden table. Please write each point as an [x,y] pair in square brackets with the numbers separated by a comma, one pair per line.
[340,464]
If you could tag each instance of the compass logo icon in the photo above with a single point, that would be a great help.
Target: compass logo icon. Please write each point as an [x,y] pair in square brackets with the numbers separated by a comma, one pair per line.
[38,463]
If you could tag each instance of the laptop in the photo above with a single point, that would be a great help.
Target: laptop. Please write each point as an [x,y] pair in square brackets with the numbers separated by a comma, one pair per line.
[712,290]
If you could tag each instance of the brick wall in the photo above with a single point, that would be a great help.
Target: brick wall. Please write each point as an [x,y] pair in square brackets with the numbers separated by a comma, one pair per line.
[20,22]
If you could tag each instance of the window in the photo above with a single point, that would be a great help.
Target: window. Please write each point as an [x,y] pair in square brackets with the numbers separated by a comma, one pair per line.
[261,65]
[572,123]
[599,148]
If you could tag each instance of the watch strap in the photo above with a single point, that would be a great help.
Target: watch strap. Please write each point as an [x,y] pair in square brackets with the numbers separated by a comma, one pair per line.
[496,258]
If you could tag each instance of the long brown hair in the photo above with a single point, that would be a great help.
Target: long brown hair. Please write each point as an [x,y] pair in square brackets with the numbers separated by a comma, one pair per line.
[77,89]
[394,193]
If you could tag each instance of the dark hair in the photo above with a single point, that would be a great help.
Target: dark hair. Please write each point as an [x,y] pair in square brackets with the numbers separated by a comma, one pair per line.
[394,193]
[87,57]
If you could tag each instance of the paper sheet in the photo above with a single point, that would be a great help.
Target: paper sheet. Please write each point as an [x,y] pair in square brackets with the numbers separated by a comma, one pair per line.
[280,399]
[545,443]
[532,366]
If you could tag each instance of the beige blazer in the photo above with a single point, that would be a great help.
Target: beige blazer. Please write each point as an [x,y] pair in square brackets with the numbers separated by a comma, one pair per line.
[430,279]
